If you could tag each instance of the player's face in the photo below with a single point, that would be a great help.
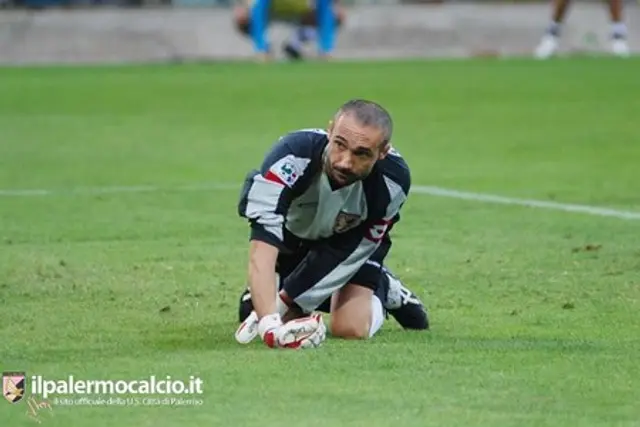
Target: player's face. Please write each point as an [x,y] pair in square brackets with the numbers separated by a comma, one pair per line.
[353,150]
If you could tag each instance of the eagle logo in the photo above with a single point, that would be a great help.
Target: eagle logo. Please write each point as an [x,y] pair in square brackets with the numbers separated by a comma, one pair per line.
[13,386]
[345,221]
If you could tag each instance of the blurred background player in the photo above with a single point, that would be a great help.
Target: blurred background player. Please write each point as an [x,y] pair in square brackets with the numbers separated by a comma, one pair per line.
[550,41]
[313,20]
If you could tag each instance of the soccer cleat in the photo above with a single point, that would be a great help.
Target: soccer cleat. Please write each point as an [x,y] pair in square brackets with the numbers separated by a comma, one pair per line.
[404,305]
[547,47]
[619,47]
[292,52]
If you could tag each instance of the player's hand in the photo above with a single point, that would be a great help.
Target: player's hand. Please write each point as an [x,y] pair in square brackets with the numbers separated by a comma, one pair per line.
[302,333]
[264,57]
[248,329]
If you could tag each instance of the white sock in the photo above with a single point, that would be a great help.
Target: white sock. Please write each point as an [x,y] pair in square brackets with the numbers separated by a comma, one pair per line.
[554,28]
[377,315]
[302,35]
[619,30]
[281,307]
[307,34]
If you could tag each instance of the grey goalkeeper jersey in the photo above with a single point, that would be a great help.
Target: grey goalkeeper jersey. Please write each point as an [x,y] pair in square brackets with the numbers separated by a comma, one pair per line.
[290,203]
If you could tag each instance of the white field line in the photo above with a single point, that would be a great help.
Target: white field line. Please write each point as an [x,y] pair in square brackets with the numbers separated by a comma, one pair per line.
[416,189]
[531,203]
[95,191]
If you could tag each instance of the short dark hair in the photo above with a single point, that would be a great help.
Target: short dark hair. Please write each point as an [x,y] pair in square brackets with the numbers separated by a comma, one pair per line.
[369,113]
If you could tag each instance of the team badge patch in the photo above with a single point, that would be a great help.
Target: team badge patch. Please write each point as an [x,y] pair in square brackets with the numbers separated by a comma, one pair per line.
[13,386]
[377,231]
[287,170]
[345,221]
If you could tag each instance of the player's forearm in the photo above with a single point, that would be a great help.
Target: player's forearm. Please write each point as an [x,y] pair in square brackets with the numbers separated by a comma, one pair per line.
[262,278]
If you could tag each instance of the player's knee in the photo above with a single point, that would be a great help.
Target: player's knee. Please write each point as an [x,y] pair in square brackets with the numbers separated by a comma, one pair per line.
[242,20]
[243,27]
[340,16]
[349,330]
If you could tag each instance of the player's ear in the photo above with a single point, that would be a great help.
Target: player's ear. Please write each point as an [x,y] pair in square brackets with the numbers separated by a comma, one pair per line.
[384,151]
[330,127]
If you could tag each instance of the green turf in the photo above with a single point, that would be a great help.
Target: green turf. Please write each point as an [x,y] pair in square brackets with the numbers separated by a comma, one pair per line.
[534,312]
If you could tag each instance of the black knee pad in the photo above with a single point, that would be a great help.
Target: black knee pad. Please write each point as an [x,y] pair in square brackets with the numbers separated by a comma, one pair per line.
[325,307]
[246,306]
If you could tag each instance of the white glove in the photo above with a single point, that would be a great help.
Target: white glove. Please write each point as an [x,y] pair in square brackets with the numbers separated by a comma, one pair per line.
[248,329]
[317,337]
[306,332]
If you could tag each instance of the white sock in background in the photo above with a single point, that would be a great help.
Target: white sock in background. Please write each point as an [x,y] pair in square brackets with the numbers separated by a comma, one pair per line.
[554,28]
[302,35]
[619,30]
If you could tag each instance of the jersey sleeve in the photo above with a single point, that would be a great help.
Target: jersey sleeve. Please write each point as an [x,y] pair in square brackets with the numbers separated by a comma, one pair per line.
[267,193]
[333,263]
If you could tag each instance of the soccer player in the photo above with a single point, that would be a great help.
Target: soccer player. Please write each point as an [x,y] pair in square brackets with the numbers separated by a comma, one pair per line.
[313,20]
[550,41]
[321,207]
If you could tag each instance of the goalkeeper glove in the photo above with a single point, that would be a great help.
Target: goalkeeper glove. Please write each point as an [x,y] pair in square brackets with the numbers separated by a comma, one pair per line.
[305,332]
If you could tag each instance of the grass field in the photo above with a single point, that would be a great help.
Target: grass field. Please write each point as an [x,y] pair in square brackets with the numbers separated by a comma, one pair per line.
[130,260]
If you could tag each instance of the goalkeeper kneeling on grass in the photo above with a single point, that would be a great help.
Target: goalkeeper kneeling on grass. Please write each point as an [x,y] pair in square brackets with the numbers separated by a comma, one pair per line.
[321,207]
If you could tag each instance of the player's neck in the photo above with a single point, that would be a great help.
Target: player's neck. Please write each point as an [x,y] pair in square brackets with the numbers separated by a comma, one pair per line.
[334,185]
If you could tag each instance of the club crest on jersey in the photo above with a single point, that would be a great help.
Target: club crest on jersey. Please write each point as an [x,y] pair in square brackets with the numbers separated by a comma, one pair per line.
[13,386]
[345,221]
[377,231]
[287,170]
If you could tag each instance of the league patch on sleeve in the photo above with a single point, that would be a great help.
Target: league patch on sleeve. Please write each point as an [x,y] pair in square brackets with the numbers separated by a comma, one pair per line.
[287,170]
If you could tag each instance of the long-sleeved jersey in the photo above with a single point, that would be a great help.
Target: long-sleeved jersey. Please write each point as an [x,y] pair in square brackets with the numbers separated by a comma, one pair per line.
[290,203]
